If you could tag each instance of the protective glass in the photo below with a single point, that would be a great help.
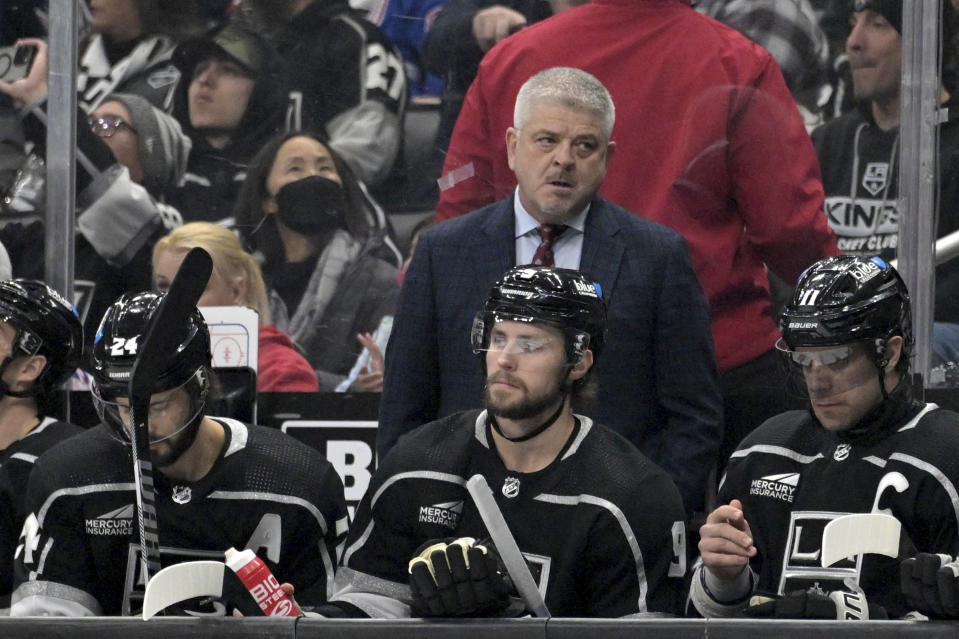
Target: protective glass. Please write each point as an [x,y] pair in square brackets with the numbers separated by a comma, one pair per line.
[171,413]
[821,373]
[106,127]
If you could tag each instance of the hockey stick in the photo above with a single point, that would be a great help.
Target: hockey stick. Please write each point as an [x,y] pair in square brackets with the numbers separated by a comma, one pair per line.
[162,335]
[859,534]
[181,582]
[506,545]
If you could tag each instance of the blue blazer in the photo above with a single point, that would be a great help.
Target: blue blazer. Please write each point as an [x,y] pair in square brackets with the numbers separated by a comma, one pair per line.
[658,381]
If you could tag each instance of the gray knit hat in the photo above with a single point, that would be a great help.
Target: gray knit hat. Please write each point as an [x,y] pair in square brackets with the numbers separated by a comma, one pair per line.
[162,145]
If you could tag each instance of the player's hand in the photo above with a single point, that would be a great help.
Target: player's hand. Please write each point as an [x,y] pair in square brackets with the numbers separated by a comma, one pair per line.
[815,604]
[930,584]
[370,377]
[725,541]
[458,578]
[492,24]
[33,87]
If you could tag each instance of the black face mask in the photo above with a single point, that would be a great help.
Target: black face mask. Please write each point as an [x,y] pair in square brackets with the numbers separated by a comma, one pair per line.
[312,206]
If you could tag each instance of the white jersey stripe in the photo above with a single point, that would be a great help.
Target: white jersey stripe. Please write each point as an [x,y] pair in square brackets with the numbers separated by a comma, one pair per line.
[937,474]
[575,500]
[274,497]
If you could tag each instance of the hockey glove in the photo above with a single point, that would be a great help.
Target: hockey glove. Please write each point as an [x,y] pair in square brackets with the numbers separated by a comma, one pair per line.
[458,578]
[930,584]
[816,604]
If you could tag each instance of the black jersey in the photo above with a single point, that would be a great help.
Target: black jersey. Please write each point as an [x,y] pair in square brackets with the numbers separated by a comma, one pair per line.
[16,462]
[79,550]
[601,527]
[793,476]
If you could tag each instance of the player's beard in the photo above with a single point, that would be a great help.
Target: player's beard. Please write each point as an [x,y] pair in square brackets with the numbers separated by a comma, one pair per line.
[168,451]
[527,406]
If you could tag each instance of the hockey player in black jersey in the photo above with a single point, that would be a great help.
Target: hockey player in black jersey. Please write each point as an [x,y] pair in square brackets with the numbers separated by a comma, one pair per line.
[41,342]
[219,484]
[866,446]
[599,525]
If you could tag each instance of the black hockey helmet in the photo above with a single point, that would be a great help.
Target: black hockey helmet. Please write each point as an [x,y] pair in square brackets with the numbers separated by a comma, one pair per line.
[563,298]
[46,324]
[845,299]
[115,349]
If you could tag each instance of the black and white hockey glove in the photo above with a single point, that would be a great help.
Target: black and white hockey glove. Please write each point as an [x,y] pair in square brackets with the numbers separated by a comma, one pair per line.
[458,578]
[816,604]
[930,584]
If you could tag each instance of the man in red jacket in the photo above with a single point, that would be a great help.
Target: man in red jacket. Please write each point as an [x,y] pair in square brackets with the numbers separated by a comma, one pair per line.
[709,143]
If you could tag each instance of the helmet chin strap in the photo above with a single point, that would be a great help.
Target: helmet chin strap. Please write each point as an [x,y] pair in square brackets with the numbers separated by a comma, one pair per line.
[536,431]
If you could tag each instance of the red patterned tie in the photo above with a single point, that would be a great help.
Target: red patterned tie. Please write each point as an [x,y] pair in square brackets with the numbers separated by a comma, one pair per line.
[549,233]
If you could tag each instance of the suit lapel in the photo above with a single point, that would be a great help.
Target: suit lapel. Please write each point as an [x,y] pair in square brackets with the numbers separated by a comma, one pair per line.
[499,254]
[602,253]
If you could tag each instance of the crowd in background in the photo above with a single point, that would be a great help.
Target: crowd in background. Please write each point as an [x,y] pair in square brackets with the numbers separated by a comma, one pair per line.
[275,134]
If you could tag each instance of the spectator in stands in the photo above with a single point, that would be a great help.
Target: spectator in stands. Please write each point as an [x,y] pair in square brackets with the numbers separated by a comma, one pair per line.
[129,47]
[859,154]
[129,154]
[601,525]
[657,381]
[305,214]
[230,102]
[345,76]
[217,483]
[864,444]
[405,23]
[236,281]
[461,34]
[41,344]
[127,50]
[20,19]
[791,33]
[699,150]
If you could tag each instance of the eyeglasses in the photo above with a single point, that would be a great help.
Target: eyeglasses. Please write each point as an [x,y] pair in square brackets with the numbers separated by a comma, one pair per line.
[107,126]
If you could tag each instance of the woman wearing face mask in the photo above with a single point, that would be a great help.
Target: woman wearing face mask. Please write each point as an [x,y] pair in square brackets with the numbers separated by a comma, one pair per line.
[305,215]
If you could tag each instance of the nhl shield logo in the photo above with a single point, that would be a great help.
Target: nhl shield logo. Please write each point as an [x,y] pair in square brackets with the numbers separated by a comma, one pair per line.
[842,452]
[182,494]
[511,487]
[874,178]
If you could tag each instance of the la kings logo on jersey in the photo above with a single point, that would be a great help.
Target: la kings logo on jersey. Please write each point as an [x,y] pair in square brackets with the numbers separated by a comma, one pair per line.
[875,176]
[781,487]
[802,558]
[802,561]
[447,514]
[117,522]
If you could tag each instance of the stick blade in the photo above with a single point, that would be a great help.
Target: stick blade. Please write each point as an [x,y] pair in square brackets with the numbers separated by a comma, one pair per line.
[181,582]
[858,534]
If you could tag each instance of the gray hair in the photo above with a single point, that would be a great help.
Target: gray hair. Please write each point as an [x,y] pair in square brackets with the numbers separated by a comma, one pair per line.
[573,88]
